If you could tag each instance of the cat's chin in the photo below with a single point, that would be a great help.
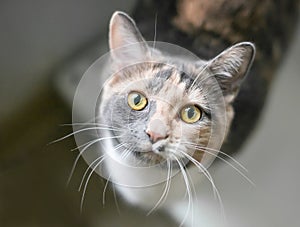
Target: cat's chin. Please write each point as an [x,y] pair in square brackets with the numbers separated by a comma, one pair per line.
[149,157]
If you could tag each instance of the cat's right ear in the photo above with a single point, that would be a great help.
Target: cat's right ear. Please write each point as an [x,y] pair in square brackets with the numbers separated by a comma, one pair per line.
[125,40]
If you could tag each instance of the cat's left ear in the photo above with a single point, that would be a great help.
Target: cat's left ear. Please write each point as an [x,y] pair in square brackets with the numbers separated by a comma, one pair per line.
[124,33]
[231,66]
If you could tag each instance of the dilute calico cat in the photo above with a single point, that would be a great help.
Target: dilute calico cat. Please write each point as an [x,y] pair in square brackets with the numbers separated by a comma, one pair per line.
[163,118]
[166,116]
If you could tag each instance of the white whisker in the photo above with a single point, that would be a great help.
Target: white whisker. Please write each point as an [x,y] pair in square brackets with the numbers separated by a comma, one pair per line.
[116,200]
[195,193]
[91,165]
[205,149]
[82,130]
[186,180]
[83,150]
[87,170]
[209,177]
[199,74]
[155,28]
[221,152]
[166,189]
[87,181]
[91,124]
[104,191]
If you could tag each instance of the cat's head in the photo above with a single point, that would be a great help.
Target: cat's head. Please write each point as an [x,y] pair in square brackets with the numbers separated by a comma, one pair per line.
[162,107]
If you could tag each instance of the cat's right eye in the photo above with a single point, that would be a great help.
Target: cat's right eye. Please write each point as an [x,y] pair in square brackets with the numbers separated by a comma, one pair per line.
[191,114]
[137,101]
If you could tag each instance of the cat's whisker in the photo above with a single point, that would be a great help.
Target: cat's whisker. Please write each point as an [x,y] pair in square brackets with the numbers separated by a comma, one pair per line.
[93,163]
[104,191]
[204,149]
[83,130]
[83,150]
[201,168]
[115,198]
[82,145]
[209,177]
[194,145]
[107,181]
[90,124]
[155,30]
[87,170]
[166,188]
[198,75]
[228,163]
[87,181]
[195,193]
[126,152]
[187,184]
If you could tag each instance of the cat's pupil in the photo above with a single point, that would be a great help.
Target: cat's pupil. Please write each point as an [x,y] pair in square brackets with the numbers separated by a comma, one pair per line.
[137,99]
[190,112]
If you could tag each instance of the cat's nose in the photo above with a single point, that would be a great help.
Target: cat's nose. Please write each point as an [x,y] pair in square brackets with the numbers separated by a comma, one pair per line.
[154,136]
[156,130]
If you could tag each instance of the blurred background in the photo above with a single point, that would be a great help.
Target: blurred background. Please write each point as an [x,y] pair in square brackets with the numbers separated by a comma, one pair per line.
[40,42]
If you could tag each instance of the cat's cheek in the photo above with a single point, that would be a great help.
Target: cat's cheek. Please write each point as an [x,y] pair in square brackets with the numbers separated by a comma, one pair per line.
[177,129]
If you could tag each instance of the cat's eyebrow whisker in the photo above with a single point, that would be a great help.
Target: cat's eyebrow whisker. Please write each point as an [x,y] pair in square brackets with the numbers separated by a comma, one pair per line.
[155,30]
[164,195]
[198,75]
[83,150]
[187,184]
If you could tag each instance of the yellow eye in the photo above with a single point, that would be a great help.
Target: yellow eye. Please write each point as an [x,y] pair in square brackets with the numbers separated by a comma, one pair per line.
[191,114]
[137,101]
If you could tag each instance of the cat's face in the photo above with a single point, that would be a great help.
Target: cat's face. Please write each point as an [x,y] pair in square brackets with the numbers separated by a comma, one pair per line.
[166,108]
[156,111]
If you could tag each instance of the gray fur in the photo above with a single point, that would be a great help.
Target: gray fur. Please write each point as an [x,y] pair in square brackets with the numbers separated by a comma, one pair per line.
[170,85]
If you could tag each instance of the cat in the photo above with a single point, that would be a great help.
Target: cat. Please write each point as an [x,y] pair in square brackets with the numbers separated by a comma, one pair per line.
[164,118]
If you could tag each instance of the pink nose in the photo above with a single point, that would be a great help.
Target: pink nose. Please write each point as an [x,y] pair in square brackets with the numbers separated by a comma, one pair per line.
[154,137]
[156,130]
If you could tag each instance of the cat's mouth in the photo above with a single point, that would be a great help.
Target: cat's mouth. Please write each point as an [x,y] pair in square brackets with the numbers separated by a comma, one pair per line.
[149,157]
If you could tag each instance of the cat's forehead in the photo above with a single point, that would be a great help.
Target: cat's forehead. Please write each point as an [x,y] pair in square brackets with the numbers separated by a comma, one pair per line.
[160,81]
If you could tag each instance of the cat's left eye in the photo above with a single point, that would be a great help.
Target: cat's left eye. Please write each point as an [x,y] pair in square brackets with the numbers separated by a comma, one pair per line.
[137,101]
[191,114]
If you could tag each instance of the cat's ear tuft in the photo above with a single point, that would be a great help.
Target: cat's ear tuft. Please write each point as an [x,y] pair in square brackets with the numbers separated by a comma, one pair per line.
[232,65]
[124,33]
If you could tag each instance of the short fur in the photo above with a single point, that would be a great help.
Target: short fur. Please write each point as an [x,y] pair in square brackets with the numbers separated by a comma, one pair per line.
[169,84]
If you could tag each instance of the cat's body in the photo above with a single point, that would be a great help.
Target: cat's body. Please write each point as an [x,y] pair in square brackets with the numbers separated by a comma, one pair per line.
[168,116]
